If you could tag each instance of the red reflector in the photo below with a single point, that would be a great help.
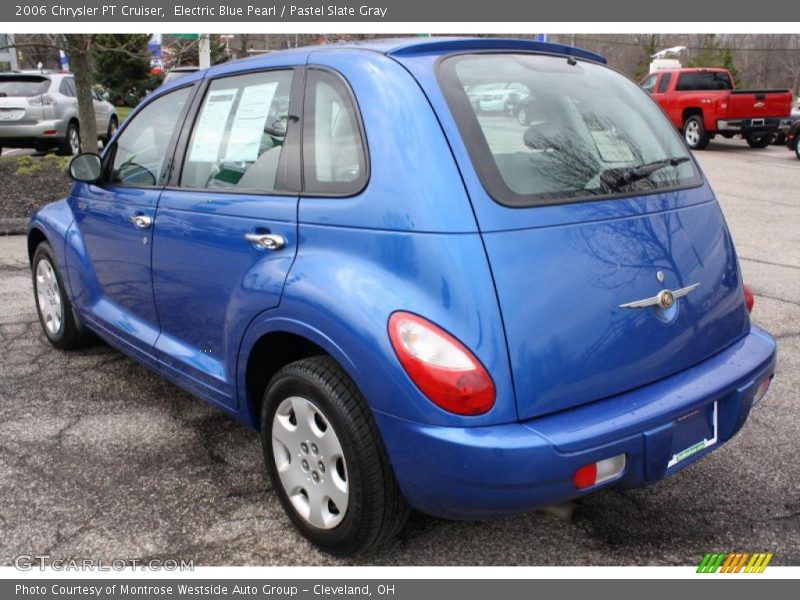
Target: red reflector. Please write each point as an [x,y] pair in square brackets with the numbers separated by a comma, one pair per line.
[585,476]
[748,298]
[50,132]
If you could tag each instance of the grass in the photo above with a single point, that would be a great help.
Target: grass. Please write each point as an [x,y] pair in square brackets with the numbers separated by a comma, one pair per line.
[32,165]
[123,112]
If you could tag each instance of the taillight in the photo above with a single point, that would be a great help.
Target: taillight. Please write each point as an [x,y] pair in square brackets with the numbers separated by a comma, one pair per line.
[748,298]
[441,367]
[599,472]
[43,99]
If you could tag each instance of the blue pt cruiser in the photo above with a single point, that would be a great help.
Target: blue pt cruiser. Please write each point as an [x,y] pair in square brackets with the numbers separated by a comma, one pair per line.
[418,303]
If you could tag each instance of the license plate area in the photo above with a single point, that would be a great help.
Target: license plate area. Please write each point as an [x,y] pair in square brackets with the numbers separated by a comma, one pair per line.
[757,123]
[692,433]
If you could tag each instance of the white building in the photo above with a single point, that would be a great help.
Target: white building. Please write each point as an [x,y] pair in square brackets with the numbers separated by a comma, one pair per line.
[8,54]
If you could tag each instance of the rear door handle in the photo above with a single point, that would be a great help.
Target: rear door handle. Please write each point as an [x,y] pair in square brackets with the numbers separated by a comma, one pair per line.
[141,221]
[266,241]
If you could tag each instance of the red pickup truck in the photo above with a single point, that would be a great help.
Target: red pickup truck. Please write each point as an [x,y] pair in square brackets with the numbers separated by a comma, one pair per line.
[703,102]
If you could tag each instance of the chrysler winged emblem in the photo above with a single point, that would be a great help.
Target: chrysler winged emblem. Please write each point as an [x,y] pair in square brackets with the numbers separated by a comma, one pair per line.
[665,298]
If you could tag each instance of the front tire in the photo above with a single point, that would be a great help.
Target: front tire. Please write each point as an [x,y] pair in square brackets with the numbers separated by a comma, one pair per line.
[59,322]
[326,459]
[695,134]
[797,151]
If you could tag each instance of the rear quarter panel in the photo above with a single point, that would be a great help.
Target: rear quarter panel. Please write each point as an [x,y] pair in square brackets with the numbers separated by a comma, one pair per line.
[408,241]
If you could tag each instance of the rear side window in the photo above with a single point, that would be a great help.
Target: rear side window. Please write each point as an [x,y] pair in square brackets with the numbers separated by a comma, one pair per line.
[141,149]
[334,155]
[68,87]
[704,80]
[237,143]
[22,86]
[664,83]
[585,128]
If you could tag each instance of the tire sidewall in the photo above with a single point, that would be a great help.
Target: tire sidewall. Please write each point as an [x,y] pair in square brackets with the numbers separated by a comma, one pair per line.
[700,132]
[347,533]
[45,252]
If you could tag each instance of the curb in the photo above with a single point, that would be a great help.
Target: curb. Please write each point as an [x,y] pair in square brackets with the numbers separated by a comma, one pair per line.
[13,226]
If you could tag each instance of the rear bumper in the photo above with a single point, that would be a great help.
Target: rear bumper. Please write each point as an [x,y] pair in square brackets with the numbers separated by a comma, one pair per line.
[753,125]
[28,135]
[482,472]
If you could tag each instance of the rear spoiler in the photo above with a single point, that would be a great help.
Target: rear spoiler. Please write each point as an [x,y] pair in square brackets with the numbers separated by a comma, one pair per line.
[449,45]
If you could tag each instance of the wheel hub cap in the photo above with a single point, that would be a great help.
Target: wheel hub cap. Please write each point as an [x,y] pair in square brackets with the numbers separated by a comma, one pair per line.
[692,133]
[310,462]
[48,297]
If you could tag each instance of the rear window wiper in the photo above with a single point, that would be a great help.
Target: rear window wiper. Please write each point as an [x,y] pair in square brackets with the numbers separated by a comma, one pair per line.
[618,178]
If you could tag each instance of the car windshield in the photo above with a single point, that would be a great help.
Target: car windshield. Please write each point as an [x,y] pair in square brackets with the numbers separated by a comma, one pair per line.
[558,143]
[22,86]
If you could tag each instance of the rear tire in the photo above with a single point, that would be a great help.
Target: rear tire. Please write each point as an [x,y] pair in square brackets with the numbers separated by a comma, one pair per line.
[57,317]
[71,144]
[797,151]
[314,415]
[756,140]
[695,134]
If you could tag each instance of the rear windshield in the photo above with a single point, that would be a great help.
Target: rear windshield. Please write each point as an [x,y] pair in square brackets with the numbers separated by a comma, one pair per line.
[573,131]
[23,86]
[704,80]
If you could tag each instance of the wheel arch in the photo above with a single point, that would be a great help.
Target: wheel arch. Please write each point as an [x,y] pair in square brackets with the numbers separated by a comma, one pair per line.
[35,237]
[269,345]
[691,111]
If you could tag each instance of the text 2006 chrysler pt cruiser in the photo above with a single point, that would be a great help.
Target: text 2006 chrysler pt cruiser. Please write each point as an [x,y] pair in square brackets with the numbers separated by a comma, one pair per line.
[418,302]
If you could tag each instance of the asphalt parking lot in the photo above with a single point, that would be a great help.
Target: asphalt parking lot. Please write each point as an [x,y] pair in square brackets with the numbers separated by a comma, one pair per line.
[100,458]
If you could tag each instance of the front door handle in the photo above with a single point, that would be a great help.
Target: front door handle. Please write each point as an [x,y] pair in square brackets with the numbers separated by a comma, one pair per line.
[141,221]
[266,241]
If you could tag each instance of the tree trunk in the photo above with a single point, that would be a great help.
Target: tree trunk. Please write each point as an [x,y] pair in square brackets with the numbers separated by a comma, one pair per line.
[80,63]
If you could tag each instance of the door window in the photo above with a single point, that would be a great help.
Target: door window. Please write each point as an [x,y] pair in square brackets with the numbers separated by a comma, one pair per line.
[649,83]
[664,83]
[334,156]
[141,149]
[237,143]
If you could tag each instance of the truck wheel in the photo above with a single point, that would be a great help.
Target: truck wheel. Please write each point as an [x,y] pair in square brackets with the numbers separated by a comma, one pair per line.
[797,151]
[327,461]
[694,132]
[759,140]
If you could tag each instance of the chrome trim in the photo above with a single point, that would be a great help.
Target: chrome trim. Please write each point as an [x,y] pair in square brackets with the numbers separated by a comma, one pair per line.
[266,241]
[141,221]
[664,299]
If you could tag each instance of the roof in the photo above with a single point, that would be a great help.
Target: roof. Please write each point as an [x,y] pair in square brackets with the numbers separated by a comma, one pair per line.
[400,48]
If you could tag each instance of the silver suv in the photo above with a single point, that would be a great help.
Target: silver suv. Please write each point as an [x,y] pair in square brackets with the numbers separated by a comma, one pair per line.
[40,110]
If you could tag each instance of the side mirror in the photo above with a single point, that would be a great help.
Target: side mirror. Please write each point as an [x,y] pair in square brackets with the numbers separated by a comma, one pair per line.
[87,167]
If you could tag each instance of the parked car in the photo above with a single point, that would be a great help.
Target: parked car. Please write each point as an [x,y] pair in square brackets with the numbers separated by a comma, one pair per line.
[430,310]
[40,110]
[704,102]
[178,72]
[502,97]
